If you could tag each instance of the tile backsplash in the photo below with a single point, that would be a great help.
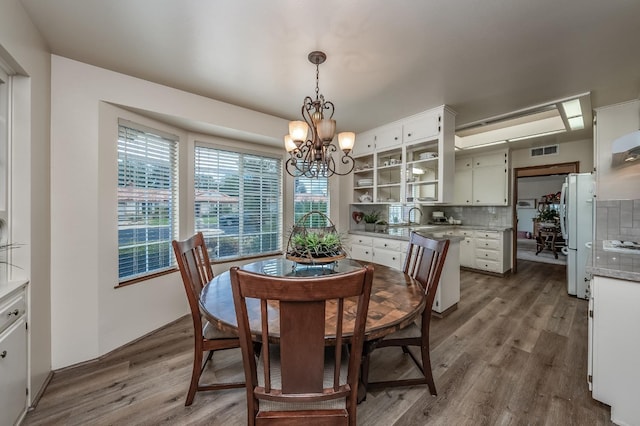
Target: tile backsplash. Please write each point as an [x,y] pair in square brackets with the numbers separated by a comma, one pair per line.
[618,220]
[477,215]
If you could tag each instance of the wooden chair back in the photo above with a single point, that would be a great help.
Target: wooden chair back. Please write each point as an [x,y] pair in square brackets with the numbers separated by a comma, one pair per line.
[195,269]
[424,262]
[310,310]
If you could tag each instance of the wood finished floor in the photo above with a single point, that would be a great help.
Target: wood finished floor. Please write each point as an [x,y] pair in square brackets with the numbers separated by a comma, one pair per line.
[514,353]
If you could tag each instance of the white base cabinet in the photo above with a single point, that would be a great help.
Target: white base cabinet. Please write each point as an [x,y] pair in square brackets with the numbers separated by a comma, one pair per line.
[13,357]
[484,250]
[614,345]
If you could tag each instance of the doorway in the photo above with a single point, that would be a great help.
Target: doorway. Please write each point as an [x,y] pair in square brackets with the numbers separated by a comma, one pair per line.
[530,184]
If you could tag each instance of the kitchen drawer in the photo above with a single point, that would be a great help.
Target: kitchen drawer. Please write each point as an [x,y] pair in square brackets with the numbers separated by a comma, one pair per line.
[11,310]
[482,254]
[494,235]
[488,265]
[359,239]
[482,243]
[390,258]
[359,252]
[464,232]
[388,244]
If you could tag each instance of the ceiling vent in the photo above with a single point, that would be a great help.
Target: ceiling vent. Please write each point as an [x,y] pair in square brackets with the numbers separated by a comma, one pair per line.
[545,150]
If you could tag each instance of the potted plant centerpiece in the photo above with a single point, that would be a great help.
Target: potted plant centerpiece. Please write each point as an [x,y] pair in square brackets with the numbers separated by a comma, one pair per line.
[314,244]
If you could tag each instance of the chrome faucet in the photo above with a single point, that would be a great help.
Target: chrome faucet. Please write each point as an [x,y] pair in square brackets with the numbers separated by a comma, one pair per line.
[409,215]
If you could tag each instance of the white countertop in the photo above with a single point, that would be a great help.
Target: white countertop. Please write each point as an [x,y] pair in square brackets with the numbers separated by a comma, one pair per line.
[613,264]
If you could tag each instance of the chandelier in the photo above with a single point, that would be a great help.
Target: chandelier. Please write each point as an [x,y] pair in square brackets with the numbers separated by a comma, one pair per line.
[309,142]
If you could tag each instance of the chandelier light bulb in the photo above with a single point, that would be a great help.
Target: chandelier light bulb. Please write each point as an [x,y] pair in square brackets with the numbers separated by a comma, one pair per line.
[298,131]
[289,144]
[346,141]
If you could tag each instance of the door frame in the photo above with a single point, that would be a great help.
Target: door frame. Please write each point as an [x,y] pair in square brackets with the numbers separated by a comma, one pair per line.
[530,171]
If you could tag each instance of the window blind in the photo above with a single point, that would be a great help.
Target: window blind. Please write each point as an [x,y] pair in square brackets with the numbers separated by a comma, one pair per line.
[311,194]
[147,200]
[238,202]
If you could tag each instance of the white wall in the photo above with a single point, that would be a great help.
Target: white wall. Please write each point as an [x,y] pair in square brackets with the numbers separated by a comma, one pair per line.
[90,317]
[614,183]
[581,151]
[25,51]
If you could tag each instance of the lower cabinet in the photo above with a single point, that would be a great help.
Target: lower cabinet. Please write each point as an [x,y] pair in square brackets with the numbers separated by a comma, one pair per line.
[388,252]
[483,250]
[614,346]
[13,357]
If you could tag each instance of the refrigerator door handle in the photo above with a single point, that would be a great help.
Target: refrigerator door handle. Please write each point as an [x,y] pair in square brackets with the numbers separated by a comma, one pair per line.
[563,212]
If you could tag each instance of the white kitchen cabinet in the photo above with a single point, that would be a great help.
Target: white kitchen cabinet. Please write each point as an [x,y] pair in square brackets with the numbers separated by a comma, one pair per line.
[482,180]
[377,139]
[424,126]
[13,356]
[615,346]
[411,160]
[365,143]
[385,251]
[463,185]
[389,252]
[492,251]
[467,248]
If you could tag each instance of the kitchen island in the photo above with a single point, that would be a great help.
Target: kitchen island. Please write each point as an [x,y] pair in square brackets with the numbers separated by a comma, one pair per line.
[389,248]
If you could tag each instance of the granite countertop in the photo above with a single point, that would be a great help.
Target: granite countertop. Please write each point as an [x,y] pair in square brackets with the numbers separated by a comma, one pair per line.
[432,231]
[613,264]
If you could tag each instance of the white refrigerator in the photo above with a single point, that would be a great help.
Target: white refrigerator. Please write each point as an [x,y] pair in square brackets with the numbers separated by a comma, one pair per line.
[576,222]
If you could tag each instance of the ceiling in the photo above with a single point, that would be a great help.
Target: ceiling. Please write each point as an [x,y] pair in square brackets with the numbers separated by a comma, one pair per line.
[385,59]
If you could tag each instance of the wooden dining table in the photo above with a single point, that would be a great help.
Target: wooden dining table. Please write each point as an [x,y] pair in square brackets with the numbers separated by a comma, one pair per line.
[396,299]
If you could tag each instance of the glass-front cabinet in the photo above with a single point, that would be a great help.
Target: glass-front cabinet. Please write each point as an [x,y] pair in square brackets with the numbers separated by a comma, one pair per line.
[419,169]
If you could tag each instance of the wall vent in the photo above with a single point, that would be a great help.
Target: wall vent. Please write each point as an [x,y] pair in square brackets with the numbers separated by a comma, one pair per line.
[545,150]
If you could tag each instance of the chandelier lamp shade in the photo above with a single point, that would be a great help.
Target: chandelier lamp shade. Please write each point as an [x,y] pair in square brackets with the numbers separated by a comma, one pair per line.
[309,143]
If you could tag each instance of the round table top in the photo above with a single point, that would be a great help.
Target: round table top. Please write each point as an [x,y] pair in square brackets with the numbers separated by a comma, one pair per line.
[396,298]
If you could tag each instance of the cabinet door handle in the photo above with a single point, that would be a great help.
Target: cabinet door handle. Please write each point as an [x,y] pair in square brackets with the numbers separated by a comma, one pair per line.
[385,244]
[14,312]
[3,354]
[408,134]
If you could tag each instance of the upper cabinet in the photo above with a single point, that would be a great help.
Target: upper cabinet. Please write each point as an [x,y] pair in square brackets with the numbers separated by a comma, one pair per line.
[410,160]
[422,127]
[482,179]
[378,139]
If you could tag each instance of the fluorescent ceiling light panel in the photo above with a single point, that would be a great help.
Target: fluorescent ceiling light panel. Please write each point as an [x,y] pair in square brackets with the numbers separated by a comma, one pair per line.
[528,126]
[553,132]
[485,144]
[572,108]
[576,123]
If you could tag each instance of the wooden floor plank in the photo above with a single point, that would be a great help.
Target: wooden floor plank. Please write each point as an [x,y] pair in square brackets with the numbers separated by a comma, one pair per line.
[514,352]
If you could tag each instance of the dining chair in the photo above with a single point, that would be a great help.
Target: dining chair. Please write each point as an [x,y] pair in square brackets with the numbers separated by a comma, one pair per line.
[424,262]
[195,268]
[305,379]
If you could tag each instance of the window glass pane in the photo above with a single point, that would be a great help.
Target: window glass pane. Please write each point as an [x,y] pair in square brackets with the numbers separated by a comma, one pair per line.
[147,202]
[238,202]
[311,194]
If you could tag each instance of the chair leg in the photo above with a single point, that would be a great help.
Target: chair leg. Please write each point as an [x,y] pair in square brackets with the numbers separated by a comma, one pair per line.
[195,374]
[426,369]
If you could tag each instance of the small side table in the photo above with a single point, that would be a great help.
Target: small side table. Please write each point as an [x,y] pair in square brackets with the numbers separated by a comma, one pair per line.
[546,238]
